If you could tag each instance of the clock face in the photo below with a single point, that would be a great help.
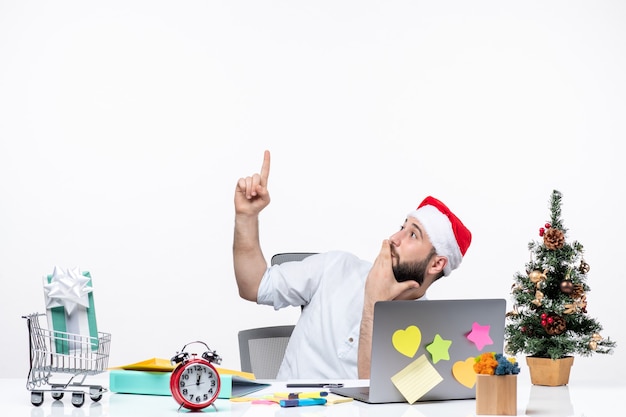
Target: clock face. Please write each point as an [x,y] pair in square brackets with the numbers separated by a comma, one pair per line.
[195,384]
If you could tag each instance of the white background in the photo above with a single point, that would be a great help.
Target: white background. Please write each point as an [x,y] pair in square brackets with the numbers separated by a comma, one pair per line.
[124,126]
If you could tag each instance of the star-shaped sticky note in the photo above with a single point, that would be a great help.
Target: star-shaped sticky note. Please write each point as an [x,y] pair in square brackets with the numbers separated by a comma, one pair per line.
[480,335]
[439,349]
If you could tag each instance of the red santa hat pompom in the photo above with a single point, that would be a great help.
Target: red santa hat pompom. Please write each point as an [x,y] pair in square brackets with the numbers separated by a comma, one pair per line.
[446,232]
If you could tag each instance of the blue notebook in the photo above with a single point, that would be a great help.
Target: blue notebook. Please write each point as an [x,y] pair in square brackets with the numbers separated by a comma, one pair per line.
[158,383]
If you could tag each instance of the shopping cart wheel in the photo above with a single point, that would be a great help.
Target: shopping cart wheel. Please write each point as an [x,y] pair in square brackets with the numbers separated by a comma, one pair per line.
[36,398]
[95,393]
[78,399]
[56,394]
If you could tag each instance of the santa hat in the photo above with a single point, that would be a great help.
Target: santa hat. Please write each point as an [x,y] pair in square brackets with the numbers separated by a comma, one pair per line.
[448,235]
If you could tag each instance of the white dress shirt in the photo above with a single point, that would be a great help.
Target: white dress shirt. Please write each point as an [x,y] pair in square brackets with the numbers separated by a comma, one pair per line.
[324,343]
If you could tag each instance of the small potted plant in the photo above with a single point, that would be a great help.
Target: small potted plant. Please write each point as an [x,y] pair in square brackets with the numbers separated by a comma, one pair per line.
[496,384]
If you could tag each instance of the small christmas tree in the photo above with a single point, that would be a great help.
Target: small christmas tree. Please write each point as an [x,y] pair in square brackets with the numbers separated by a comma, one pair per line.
[549,317]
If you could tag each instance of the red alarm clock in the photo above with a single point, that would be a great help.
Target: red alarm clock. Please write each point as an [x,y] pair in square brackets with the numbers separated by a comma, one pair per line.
[195,383]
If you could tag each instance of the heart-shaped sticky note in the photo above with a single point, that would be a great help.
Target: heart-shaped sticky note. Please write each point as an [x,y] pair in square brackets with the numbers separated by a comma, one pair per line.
[464,373]
[407,341]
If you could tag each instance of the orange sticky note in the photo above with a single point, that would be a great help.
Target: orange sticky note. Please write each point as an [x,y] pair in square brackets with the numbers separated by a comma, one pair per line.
[464,373]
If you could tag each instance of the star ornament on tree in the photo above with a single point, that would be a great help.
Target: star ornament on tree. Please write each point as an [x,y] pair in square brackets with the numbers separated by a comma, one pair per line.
[67,289]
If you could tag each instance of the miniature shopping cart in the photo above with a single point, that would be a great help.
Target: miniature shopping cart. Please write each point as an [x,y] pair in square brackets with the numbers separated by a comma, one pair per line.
[53,352]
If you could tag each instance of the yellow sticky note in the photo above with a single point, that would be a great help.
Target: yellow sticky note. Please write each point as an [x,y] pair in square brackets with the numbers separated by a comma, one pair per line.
[407,341]
[336,399]
[416,379]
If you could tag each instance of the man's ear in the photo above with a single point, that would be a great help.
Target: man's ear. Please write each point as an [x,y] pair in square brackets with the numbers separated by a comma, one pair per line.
[439,262]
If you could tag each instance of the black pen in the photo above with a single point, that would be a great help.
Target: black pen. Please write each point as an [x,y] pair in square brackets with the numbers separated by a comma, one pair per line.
[315,385]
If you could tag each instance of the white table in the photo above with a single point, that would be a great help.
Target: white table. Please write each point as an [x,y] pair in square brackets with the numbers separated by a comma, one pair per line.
[581,400]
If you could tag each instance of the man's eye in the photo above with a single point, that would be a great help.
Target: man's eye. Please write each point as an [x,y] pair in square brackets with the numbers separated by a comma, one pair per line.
[414,235]
[401,228]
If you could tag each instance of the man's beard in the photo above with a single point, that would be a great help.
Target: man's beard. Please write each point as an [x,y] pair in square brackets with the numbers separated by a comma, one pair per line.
[412,271]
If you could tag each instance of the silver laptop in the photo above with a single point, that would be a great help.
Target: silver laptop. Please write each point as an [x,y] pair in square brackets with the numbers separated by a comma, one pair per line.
[451,331]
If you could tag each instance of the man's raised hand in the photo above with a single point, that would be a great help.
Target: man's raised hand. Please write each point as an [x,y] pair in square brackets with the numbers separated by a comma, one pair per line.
[251,194]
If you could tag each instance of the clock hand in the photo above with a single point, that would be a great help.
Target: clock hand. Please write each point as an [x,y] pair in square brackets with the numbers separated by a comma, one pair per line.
[198,380]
